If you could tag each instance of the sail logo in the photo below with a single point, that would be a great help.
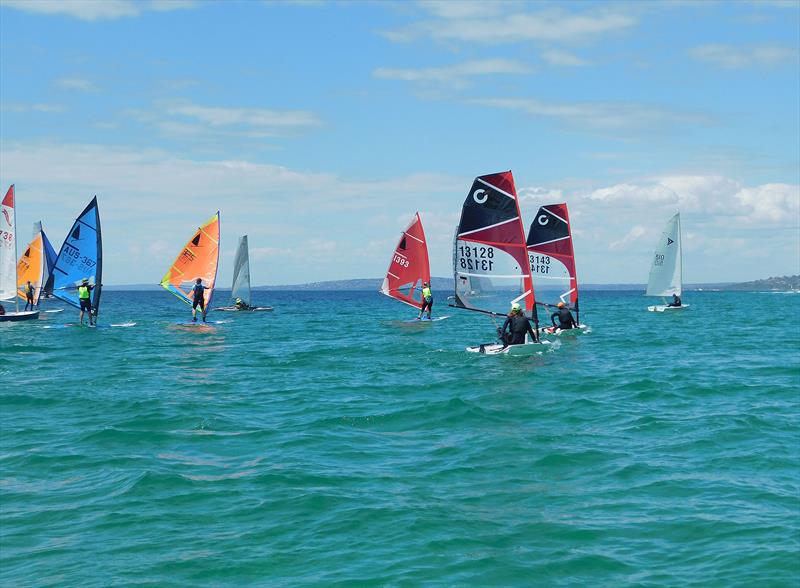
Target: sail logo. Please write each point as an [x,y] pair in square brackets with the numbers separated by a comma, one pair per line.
[543,219]
[669,241]
[480,196]
[8,218]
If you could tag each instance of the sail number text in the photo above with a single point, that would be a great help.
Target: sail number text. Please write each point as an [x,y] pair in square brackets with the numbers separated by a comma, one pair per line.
[476,258]
[72,255]
[540,264]
[659,259]
[402,262]
[6,236]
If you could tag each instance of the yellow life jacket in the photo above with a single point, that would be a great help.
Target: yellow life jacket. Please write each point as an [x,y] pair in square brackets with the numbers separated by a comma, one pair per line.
[83,292]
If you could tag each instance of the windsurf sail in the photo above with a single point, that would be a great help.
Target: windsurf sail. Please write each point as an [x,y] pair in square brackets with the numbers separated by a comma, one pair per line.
[80,257]
[49,259]
[409,266]
[490,259]
[552,258]
[8,247]
[241,273]
[31,267]
[666,270]
[199,258]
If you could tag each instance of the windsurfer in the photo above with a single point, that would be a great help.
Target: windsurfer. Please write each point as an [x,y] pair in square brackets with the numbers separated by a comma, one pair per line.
[427,300]
[676,300]
[29,291]
[198,299]
[565,318]
[518,326]
[84,293]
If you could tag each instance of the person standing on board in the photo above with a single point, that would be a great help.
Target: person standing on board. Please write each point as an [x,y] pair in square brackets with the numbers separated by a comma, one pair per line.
[198,293]
[518,326]
[565,318]
[29,292]
[84,297]
[427,300]
[676,300]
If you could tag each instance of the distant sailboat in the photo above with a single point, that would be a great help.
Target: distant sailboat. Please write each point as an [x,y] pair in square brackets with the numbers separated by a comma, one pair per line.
[8,260]
[199,258]
[490,245]
[241,290]
[552,259]
[81,258]
[409,267]
[666,271]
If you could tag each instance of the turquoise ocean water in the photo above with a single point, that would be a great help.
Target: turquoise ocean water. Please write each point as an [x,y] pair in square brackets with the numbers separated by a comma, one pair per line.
[328,443]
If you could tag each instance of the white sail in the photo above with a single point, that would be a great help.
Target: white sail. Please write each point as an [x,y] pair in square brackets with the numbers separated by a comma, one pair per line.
[8,248]
[241,273]
[666,272]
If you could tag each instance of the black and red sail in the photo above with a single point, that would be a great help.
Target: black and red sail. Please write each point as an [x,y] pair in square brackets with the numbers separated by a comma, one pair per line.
[409,266]
[552,257]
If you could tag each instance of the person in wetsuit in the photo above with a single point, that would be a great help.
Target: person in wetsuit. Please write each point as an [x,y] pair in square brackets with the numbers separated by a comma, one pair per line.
[518,326]
[84,297]
[198,299]
[241,304]
[427,300]
[29,292]
[676,300]
[2,310]
[564,316]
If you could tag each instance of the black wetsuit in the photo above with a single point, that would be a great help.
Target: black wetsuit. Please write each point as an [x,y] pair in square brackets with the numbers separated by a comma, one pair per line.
[676,300]
[565,319]
[29,290]
[198,299]
[517,325]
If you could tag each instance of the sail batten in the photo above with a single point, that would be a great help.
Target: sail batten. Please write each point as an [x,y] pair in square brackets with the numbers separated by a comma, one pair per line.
[199,258]
[666,268]
[409,266]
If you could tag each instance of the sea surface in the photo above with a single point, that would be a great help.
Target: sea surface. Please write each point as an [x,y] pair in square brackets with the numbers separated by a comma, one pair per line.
[328,443]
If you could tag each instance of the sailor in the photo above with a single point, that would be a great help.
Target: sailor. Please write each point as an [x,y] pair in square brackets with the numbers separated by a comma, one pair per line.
[518,326]
[240,304]
[565,318]
[676,300]
[2,310]
[29,291]
[198,299]
[427,300]
[84,293]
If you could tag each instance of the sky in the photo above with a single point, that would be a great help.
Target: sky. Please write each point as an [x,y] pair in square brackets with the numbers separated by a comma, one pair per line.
[318,128]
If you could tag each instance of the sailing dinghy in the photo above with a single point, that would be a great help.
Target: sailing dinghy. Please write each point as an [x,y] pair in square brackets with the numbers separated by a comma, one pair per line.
[240,289]
[552,260]
[666,271]
[490,246]
[9,274]
[81,257]
[199,258]
[409,268]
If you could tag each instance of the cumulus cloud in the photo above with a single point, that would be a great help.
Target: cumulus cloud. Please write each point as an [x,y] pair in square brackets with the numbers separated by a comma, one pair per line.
[94,10]
[738,57]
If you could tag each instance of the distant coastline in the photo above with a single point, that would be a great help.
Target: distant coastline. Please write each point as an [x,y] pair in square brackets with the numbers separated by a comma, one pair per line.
[773,284]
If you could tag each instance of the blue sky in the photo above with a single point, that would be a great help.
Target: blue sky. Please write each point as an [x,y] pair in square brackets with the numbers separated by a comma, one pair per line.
[319,128]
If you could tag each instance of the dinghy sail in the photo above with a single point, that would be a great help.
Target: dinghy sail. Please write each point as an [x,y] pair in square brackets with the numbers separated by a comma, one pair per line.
[31,267]
[666,269]
[409,266]
[241,273]
[199,258]
[8,259]
[81,257]
[552,258]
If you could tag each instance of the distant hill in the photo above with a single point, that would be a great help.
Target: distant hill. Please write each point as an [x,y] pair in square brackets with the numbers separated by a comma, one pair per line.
[776,284]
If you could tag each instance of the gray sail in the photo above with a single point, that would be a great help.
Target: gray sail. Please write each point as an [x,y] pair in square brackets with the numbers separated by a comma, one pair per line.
[241,273]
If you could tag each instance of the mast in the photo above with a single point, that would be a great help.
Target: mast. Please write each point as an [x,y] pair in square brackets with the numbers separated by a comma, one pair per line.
[16,277]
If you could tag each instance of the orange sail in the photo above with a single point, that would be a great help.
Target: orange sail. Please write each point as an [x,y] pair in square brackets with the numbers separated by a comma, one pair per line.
[31,266]
[198,259]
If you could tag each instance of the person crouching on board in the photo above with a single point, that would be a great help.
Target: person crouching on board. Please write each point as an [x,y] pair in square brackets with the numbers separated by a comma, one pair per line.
[84,297]
[240,304]
[676,300]
[29,291]
[427,300]
[198,299]
[564,316]
[518,326]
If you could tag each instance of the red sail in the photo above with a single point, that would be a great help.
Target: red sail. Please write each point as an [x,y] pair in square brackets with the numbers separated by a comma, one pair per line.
[409,266]
[490,258]
[551,254]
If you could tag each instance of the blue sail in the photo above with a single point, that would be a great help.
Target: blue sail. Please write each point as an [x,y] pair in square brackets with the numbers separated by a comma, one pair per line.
[81,256]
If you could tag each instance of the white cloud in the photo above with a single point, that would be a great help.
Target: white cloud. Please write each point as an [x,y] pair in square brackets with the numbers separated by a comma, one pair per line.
[93,10]
[74,83]
[635,234]
[560,57]
[738,57]
[598,116]
[247,117]
[499,23]
[45,108]
[455,74]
